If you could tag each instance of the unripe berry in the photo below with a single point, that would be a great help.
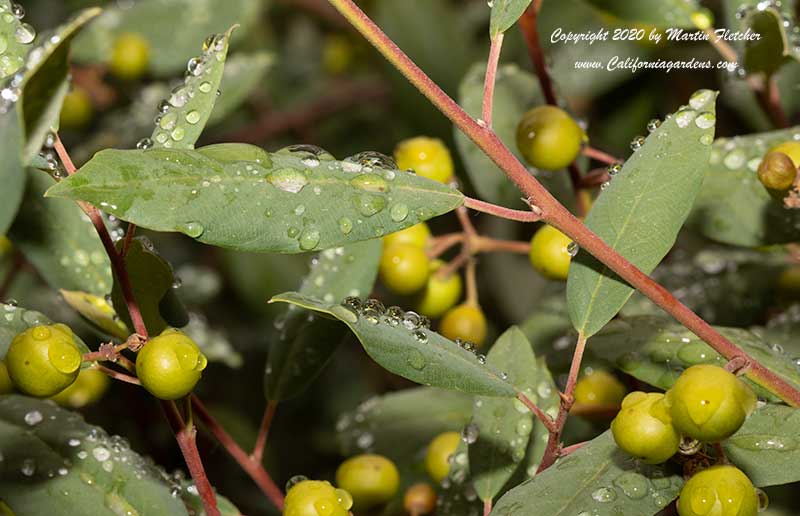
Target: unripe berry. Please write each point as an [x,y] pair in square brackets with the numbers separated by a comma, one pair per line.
[465,322]
[548,138]
[316,498]
[87,389]
[440,293]
[170,365]
[437,458]
[6,385]
[43,360]
[130,56]
[419,499]
[77,110]
[777,172]
[708,403]
[549,253]
[643,428]
[371,480]
[599,388]
[428,157]
[791,148]
[718,491]
[417,235]
[404,269]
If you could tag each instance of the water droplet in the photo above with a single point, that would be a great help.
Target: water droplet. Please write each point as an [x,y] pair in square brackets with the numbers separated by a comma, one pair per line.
[653,124]
[573,248]
[399,212]
[524,427]
[372,159]
[178,133]
[24,33]
[309,239]
[28,467]
[700,98]
[707,139]
[633,484]
[416,360]
[637,143]
[193,116]
[695,353]
[191,229]
[705,120]
[204,87]
[369,205]
[101,454]
[288,180]
[370,183]
[759,442]
[294,481]
[604,495]
[33,418]
[763,500]
[684,117]
[470,433]
[144,144]
[345,225]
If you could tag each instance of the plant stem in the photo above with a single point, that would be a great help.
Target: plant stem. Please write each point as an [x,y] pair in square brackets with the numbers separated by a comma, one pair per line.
[263,431]
[252,468]
[489,245]
[491,75]
[441,244]
[530,29]
[487,507]
[502,212]
[117,375]
[598,155]
[544,418]
[552,211]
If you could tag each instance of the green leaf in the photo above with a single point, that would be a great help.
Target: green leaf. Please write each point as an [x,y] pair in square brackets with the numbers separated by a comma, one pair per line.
[640,213]
[244,74]
[505,14]
[15,319]
[503,425]
[213,342]
[306,342]
[401,424]
[597,479]
[60,241]
[183,117]
[172,29]
[45,82]
[655,350]
[12,175]
[733,207]
[457,496]
[291,201]
[56,464]
[769,52]
[402,344]
[766,447]
[151,279]
[97,311]
[661,13]
[17,36]
[546,396]
[515,92]
[191,498]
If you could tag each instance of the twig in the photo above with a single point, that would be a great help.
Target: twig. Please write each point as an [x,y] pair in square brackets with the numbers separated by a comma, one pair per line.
[502,212]
[117,375]
[488,245]
[442,243]
[491,75]
[569,449]
[530,29]
[263,431]
[598,155]
[544,418]
[470,276]
[487,507]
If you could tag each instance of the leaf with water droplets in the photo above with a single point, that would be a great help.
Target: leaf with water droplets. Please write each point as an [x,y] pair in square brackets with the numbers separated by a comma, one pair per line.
[656,350]
[183,115]
[503,425]
[16,37]
[45,83]
[772,22]
[238,196]
[59,240]
[55,463]
[243,75]
[767,446]
[505,14]
[194,503]
[598,479]
[401,344]
[661,13]
[16,319]
[12,174]
[305,342]
[97,311]
[642,210]
[152,281]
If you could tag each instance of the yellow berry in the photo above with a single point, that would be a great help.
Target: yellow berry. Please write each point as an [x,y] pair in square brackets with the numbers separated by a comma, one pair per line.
[791,148]
[419,499]
[43,360]
[130,56]
[599,388]
[440,293]
[337,54]
[371,480]
[77,110]
[548,138]
[417,235]
[404,269]
[89,387]
[703,18]
[549,253]
[316,498]
[6,385]
[718,491]
[708,403]
[777,172]
[643,428]
[437,458]
[465,322]
[428,157]
[170,365]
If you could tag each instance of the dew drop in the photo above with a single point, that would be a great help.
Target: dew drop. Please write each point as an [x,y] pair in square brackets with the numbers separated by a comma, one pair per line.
[33,418]
[369,205]
[191,229]
[370,183]
[705,120]
[309,239]
[294,481]
[144,144]
[28,467]
[416,360]
[637,143]
[204,87]
[288,180]
[684,117]
[701,98]
[524,427]
[24,33]
[633,484]
[399,212]
[653,124]
[604,495]
[193,116]
[470,433]
[573,248]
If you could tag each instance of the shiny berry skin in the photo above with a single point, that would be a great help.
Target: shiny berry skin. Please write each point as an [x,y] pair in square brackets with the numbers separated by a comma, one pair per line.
[777,172]
[371,480]
[599,388]
[549,254]
[428,157]
[317,498]
[6,385]
[440,293]
[437,458]
[718,491]
[709,404]
[404,269]
[417,235]
[465,322]
[170,365]
[419,499]
[130,56]
[89,388]
[790,148]
[77,110]
[548,138]
[643,428]
[43,360]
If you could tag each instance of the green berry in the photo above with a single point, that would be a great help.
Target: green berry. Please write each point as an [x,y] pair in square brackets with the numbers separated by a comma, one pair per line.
[599,388]
[88,388]
[428,157]
[708,403]
[777,172]
[548,138]
[77,110]
[316,498]
[6,385]
[417,235]
[371,479]
[549,253]
[718,491]
[465,322]
[130,56]
[419,499]
[43,360]
[170,365]
[404,269]
[437,458]
[440,293]
[643,428]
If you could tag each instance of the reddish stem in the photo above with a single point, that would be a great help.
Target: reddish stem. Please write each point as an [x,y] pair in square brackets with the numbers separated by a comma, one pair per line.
[598,155]
[118,375]
[502,212]
[544,418]
[491,75]
[569,449]
[530,30]
[263,431]
[487,507]
[489,245]
[442,243]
